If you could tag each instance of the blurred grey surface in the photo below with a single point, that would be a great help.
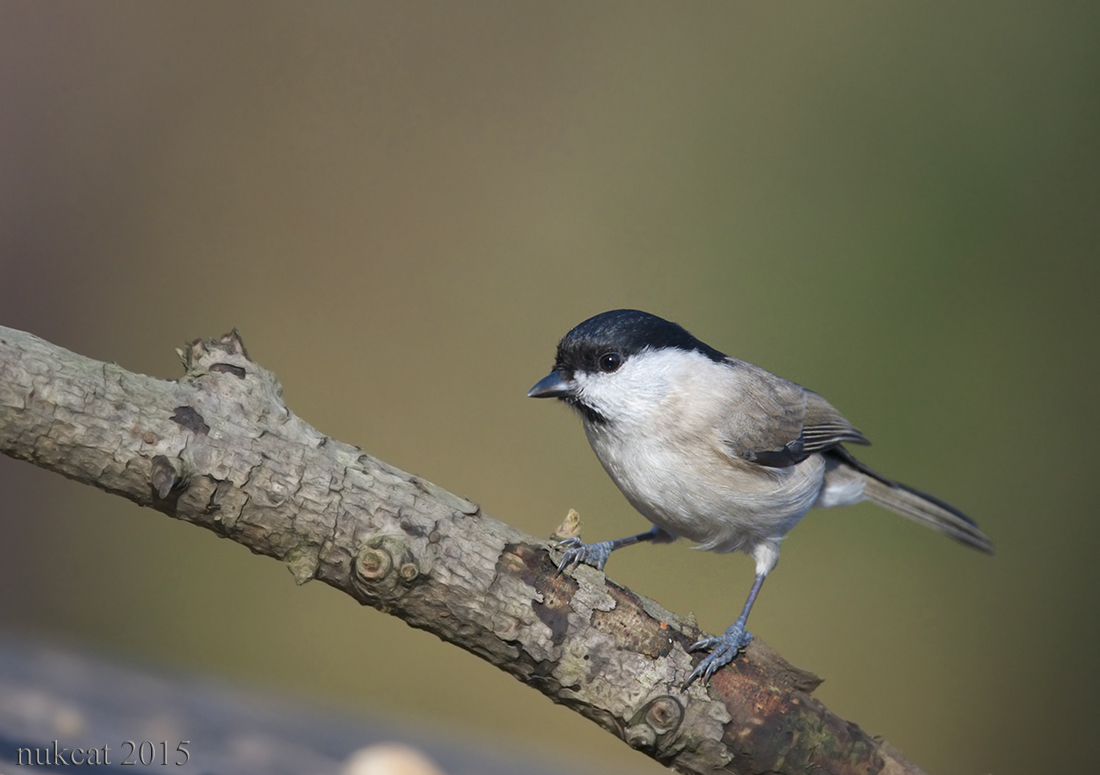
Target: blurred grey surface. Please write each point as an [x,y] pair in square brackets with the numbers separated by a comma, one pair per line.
[54,698]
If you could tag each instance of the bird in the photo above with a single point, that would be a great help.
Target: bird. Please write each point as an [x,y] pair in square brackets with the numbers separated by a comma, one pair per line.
[713,449]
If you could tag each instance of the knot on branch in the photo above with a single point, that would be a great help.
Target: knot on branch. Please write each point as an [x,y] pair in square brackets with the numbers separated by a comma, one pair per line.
[386,565]
[655,724]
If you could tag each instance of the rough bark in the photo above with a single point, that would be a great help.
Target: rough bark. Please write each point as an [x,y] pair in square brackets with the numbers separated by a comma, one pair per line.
[219,448]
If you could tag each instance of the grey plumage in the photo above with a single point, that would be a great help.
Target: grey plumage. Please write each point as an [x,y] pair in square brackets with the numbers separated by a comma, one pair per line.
[775,422]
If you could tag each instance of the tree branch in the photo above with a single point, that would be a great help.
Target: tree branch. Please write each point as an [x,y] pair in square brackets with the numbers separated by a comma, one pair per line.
[219,449]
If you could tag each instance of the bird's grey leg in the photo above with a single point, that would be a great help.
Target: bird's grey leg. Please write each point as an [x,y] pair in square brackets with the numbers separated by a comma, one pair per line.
[577,551]
[725,647]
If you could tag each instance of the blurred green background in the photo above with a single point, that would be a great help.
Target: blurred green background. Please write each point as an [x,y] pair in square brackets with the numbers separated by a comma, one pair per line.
[403,206]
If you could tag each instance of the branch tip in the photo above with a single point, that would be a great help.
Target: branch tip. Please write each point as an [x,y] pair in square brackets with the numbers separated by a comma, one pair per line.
[230,344]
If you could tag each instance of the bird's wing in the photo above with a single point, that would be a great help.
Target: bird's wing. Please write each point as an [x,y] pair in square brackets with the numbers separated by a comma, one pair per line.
[825,427]
[777,423]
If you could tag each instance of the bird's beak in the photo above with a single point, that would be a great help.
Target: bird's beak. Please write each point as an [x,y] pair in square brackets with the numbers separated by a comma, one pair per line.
[553,385]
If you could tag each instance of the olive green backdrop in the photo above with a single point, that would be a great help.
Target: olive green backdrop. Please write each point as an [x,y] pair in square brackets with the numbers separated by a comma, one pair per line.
[403,206]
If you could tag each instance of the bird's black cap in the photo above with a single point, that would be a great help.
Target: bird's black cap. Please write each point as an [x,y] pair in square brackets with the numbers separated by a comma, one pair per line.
[627,332]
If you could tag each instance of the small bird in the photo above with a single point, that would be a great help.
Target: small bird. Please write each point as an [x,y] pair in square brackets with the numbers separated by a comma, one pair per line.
[713,449]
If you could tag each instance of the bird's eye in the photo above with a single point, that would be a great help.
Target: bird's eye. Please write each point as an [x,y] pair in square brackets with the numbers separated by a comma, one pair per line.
[610,362]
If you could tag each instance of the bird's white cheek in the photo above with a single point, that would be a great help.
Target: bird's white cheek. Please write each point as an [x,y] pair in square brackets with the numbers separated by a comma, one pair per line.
[630,398]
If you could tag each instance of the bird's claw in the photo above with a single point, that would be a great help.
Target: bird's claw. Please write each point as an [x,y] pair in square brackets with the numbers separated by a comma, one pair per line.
[578,552]
[722,651]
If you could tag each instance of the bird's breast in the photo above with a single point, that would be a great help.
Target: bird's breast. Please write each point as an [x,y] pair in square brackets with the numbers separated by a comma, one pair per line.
[701,493]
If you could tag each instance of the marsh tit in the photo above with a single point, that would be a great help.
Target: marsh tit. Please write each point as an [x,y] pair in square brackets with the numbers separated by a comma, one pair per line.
[716,450]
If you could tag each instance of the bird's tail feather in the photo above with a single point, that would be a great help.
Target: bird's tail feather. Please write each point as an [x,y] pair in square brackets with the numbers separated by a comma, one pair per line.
[915,505]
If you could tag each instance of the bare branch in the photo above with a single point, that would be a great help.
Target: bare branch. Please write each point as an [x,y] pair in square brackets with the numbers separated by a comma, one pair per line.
[219,448]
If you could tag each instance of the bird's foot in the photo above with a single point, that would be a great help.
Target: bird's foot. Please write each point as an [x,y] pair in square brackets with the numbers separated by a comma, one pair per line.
[578,552]
[722,651]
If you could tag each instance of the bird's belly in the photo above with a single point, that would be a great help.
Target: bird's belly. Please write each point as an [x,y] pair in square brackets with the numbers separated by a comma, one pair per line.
[723,505]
